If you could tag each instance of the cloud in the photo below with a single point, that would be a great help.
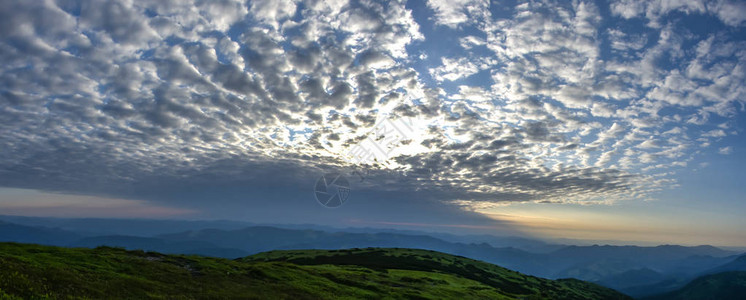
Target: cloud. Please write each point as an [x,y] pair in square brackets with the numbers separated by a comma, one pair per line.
[454,13]
[454,69]
[728,11]
[725,150]
[29,202]
[140,99]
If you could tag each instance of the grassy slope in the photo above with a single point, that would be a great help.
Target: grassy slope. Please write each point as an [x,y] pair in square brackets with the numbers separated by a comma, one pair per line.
[32,271]
[726,285]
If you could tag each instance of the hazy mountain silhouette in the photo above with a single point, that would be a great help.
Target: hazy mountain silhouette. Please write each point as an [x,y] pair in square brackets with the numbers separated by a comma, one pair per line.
[631,278]
[738,264]
[678,281]
[10,232]
[152,228]
[726,285]
[160,245]
[135,227]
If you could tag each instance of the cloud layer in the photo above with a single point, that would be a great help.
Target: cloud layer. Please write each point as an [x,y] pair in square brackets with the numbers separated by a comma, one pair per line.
[547,101]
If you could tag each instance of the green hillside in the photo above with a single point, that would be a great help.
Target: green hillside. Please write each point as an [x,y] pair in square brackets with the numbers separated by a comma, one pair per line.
[32,271]
[726,285]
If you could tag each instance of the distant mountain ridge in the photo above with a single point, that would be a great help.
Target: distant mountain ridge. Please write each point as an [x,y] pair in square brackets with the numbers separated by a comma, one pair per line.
[160,245]
[725,285]
[152,228]
[671,251]
[11,232]
[738,264]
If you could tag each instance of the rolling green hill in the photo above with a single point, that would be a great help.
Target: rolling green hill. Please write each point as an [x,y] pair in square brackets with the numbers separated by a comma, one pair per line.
[726,285]
[32,271]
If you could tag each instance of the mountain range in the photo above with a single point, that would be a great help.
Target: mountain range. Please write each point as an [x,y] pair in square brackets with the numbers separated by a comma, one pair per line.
[633,270]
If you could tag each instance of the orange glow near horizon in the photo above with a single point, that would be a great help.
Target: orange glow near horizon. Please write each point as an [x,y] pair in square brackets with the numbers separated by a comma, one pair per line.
[591,223]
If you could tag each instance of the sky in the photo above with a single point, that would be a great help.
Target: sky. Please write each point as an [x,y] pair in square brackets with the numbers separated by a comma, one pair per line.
[618,120]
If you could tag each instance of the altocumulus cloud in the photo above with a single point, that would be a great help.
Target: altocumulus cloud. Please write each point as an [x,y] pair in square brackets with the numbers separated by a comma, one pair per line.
[549,101]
